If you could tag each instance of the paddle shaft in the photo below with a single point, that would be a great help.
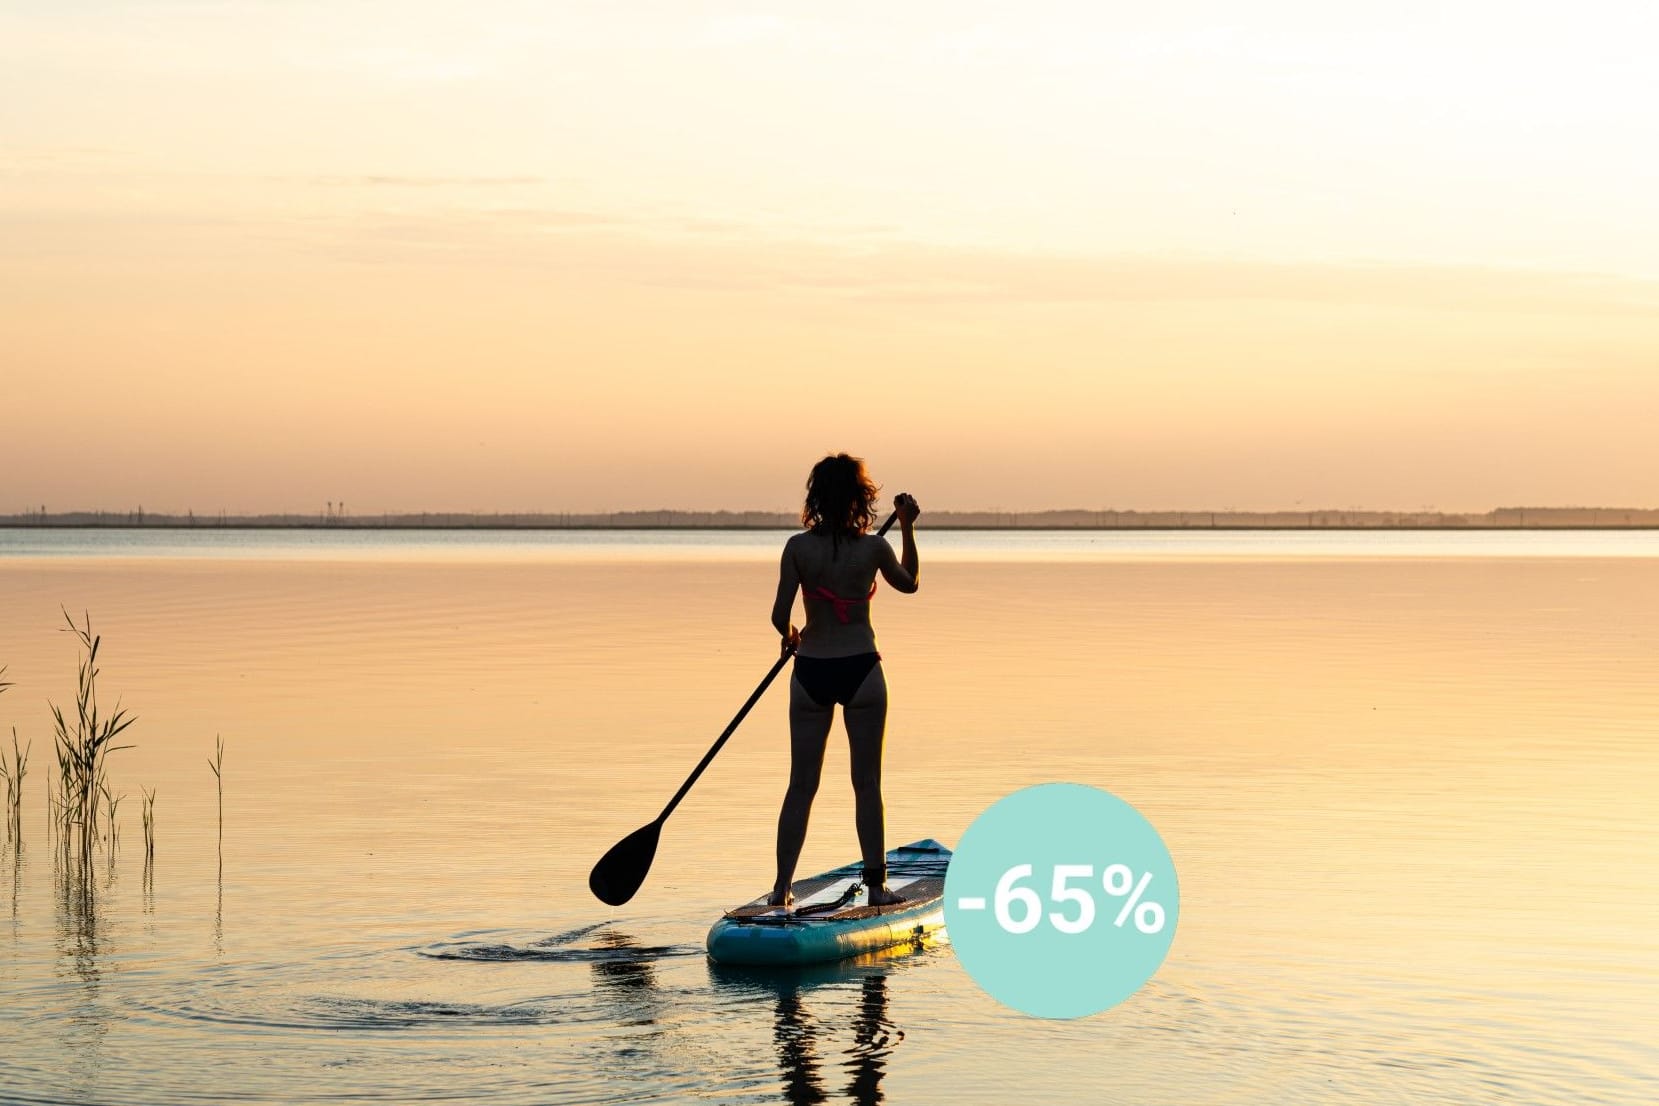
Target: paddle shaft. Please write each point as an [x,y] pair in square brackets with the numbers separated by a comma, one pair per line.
[743,712]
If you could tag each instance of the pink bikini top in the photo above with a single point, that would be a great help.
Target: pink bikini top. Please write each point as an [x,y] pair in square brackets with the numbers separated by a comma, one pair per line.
[841,603]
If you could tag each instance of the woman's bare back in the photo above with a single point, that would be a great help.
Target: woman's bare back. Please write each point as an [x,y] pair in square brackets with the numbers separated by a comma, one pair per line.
[847,567]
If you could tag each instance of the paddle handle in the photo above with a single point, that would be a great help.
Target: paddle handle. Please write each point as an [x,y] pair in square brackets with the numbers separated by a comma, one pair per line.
[743,711]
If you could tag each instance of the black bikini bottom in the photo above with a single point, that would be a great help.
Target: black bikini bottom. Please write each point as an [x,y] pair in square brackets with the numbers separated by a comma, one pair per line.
[834,679]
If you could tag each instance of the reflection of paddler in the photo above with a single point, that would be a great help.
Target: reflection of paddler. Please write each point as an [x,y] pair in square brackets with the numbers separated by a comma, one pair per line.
[800,1036]
[833,564]
[796,1041]
[872,1033]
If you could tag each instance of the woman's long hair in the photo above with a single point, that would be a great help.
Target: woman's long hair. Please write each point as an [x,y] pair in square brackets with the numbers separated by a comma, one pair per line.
[840,497]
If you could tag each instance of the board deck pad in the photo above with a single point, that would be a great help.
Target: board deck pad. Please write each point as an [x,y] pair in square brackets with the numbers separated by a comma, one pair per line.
[838,929]
[821,889]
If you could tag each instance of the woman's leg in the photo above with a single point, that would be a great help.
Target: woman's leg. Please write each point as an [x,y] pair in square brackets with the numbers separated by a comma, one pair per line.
[866,719]
[809,727]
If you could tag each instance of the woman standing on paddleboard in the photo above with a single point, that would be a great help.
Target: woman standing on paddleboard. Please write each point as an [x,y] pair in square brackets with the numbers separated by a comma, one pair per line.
[833,565]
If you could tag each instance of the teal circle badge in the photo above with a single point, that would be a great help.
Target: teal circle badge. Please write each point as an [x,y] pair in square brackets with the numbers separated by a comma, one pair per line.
[1061,900]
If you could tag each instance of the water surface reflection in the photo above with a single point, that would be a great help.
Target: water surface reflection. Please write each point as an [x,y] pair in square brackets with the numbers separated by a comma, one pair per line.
[822,1012]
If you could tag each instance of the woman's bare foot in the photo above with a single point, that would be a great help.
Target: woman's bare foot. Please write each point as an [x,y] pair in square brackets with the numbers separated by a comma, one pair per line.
[881,896]
[784,898]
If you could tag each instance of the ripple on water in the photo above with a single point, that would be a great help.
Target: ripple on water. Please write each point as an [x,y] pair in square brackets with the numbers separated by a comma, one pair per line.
[594,1014]
[369,991]
[390,1024]
[610,946]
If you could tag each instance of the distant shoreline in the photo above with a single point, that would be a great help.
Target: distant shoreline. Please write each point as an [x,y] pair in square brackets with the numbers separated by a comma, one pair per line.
[1507,518]
[1529,527]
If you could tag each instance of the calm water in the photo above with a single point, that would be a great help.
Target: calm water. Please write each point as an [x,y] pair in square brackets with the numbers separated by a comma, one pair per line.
[1408,780]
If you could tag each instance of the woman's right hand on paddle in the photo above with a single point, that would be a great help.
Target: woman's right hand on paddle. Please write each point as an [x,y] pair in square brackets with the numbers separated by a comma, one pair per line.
[908,510]
[791,641]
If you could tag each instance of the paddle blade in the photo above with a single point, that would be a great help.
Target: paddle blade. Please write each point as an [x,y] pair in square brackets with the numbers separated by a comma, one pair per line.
[619,872]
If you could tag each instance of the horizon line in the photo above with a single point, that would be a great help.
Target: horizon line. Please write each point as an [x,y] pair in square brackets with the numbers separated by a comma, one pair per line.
[1574,517]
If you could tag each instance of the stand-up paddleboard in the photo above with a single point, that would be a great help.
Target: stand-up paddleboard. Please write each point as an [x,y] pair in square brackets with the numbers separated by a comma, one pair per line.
[832,917]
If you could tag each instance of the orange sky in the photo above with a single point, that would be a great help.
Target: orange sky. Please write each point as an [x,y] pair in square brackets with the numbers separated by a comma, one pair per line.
[519,256]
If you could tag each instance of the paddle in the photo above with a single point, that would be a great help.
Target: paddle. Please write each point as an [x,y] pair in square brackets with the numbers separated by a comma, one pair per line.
[619,873]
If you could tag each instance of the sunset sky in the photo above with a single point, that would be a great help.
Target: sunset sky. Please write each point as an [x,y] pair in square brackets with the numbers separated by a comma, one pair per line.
[538,255]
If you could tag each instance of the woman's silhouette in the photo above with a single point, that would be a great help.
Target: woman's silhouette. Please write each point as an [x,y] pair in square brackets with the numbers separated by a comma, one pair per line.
[833,565]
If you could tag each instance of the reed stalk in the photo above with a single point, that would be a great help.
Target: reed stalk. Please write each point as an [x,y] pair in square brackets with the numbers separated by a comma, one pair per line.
[14,773]
[218,766]
[111,804]
[147,811]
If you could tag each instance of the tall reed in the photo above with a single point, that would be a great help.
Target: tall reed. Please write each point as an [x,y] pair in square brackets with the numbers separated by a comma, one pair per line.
[83,742]
[14,773]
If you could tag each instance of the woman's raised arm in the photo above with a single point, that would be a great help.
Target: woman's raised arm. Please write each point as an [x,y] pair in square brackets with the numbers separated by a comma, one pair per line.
[902,571]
